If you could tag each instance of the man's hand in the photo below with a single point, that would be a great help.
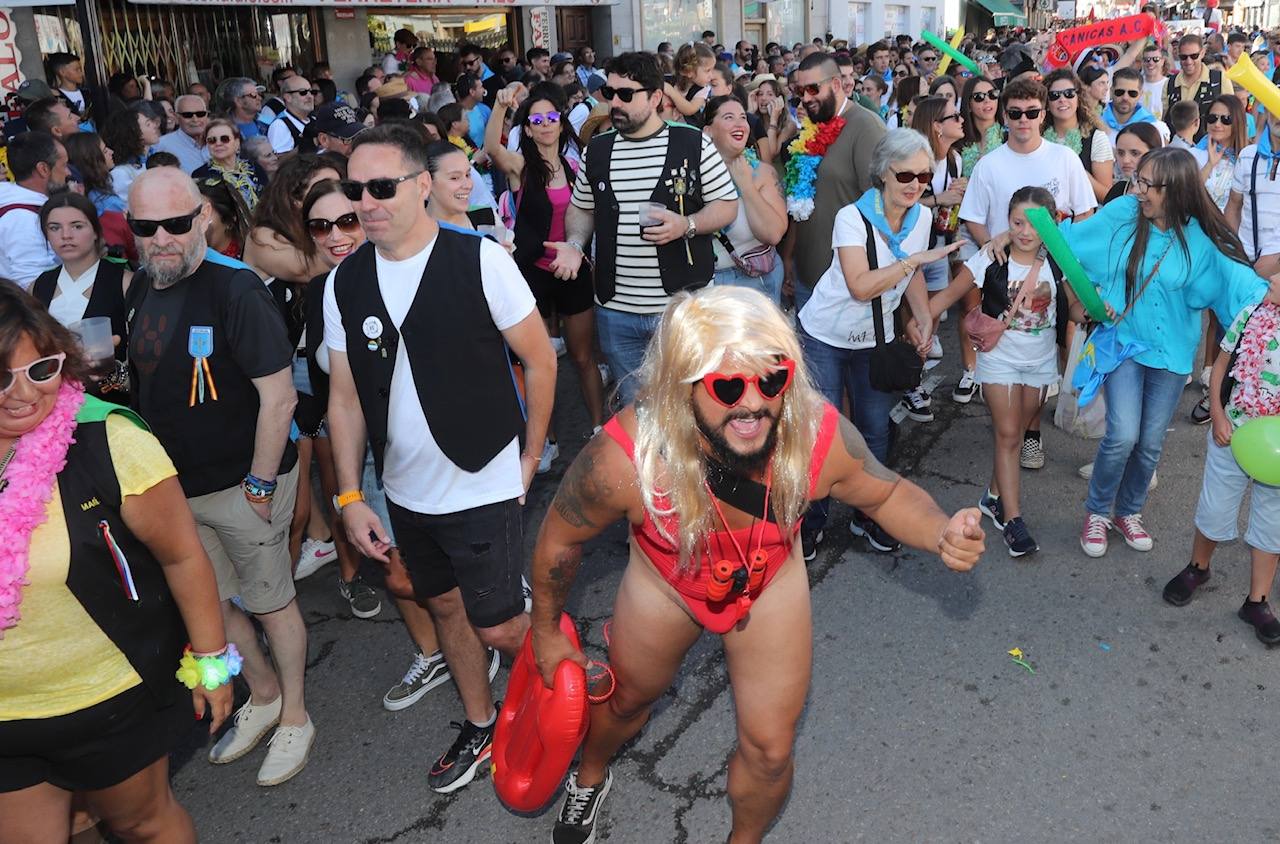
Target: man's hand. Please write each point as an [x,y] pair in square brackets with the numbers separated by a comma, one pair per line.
[672,227]
[528,468]
[568,259]
[994,248]
[365,531]
[550,648]
[963,541]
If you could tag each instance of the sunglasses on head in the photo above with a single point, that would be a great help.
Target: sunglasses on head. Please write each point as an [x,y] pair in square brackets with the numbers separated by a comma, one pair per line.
[624,94]
[39,371]
[983,96]
[1066,93]
[1125,92]
[378,188]
[1211,118]
[728,390]
[1019,113]
[219,139]
[539,119]
[190,114]
[906,177]
[173,225]
[320,227]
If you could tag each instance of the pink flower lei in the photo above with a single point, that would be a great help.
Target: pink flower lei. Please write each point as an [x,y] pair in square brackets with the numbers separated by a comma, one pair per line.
[39,457]
[1253,396]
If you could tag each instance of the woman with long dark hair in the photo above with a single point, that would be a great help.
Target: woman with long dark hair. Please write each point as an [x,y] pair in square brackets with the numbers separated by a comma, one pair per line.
[1071,122]
[1225,136]
[1160,257]
[541,178]
[230,224]
[129,133]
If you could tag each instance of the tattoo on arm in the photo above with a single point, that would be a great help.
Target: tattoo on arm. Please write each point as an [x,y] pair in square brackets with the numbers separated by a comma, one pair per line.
[582,491]
[562,573]
[856,446]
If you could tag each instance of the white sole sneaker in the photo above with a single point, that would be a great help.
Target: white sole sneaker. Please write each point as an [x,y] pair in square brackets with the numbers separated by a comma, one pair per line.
[248,741]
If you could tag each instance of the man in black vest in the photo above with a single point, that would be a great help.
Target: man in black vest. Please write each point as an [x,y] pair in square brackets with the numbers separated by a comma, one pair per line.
[1194,80]
[288,131]
[420,323]
[644,253]
[211,361]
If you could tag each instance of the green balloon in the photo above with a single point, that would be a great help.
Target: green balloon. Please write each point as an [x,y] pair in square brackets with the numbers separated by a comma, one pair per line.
[1256,446]
[1067,261]
[956,56]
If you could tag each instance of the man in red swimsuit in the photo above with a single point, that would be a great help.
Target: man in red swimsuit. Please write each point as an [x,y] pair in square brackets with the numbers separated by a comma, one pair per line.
[713,467]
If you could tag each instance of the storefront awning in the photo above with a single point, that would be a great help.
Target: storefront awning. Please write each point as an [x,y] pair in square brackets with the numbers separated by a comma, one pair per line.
[1004,12]
[389,4]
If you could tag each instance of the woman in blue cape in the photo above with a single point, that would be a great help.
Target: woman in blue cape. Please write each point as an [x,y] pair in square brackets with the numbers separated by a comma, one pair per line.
[1159,257]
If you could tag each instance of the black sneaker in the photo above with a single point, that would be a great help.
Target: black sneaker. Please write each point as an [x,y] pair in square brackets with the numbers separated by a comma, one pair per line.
[1018,538]
[577,821]
[1265,626]
[875,535]
[459,764]
[809,542]
[1179,590]
[989,505]
[1200,413]
[918,404]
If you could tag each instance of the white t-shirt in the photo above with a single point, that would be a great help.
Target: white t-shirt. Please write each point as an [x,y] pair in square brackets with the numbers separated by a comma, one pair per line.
[832,315]
[1268,198]
[1201,156]
[1152,97]
[1031,337]
[279,135]
[1002,172]
[416,473]
[76,97]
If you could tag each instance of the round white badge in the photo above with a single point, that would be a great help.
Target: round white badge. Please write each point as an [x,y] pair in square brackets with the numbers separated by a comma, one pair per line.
[372,327]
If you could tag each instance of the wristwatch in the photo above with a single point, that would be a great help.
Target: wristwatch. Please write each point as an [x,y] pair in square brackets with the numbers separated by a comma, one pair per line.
[691,230]
[343,499]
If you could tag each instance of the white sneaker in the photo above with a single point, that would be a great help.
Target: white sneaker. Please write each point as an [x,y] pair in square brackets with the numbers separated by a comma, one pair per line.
[527,591]
[963,393]
[935,350]
[248,727]
[287,753]
[1204,376]
[918,403]
[315,554]
[605,375]
[550,452]
[558,344]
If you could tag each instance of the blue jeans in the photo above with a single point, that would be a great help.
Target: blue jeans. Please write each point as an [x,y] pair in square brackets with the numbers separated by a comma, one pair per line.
[770,284]
[802,294]
[1141,402]
[835,371]
[624,338]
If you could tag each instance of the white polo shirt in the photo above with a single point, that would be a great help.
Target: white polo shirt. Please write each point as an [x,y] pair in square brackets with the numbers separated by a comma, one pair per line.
[1267,196]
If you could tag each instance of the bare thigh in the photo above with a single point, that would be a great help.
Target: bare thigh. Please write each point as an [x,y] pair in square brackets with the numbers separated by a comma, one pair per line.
[40,814]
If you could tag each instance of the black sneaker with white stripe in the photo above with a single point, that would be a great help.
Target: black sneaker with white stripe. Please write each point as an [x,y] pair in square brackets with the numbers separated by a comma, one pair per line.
[458,766]
[577,821]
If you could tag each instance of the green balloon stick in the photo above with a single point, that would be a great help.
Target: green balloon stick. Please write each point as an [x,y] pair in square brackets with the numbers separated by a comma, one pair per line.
[956,56]
[1075,274]
[1256,446]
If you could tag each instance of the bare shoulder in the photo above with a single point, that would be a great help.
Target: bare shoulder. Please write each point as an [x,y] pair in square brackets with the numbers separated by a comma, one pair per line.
[599,486]
[850,455]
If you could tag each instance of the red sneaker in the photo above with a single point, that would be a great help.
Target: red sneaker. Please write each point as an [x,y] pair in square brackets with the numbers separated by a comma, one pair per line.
[1135,535]
[1093,539]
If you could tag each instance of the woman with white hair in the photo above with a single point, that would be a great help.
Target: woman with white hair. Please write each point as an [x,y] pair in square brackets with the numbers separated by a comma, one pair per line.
[837,325]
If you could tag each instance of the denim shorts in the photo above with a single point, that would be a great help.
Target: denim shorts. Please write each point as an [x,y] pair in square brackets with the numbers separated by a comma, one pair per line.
[937,275]
[1221,494]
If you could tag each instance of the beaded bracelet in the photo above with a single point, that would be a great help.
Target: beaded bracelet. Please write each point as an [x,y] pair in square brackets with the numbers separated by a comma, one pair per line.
[211,672]
[257,490]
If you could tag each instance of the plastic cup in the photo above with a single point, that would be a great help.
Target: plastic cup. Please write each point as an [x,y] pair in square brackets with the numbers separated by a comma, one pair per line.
[95,337]
[649,213]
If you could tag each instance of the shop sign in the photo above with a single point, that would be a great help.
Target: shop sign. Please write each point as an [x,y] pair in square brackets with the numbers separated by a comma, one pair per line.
[344,14]
[10,56]
[539,25]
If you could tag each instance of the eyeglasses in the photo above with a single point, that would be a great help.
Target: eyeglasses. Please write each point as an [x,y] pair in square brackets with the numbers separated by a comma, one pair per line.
[539,119]
[193,114]
[1188,57]
[928,58]
[983,96]
[1211,118]
[219,139]
[1019,113]
[320,227]
[906,177]
[173,225]
[378,188]
[728,390]
[1125,92]
[1066,93]
[956,116]
[608,92]
[813,89]
[1142,185]
[899,73]
[39,371]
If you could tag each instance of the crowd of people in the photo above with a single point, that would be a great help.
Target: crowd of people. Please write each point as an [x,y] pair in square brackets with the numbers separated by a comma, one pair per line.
[327,327]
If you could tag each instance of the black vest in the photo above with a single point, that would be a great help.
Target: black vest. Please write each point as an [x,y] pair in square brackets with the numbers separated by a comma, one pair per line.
[995,294]
[684,150]
[211,443]
[105,300]
[460,361]
[533,211]
[148,631]
[1204,97]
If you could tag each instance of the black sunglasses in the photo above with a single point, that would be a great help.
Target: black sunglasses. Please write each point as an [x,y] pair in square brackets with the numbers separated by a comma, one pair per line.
[813,89]
[191,114]
[608,92]
[378,188]
[1067,93]
[906,177]
[1125,92]
[1188,57]
[955,116]
[983,96]
[302,92]
[1224,119]
[173,225]
[320,227]
[1018,113]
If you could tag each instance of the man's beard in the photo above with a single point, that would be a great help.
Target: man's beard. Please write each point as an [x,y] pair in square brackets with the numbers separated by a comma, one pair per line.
[723,453]
[166,275]
[624,122]
[825,108]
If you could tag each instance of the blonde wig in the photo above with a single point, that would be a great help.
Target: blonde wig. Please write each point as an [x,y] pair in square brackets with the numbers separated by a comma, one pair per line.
[724,329]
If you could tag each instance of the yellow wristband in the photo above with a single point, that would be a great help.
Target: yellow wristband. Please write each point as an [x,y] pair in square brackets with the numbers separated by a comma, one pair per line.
[351,497]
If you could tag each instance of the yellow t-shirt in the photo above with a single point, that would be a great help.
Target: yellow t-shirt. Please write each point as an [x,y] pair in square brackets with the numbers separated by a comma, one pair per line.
[56,660]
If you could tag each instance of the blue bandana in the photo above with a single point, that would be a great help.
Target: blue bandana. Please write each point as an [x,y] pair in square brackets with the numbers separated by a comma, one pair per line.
[1102,353]
[1140,115]
[1230,154]
[1264,146]
[871,204]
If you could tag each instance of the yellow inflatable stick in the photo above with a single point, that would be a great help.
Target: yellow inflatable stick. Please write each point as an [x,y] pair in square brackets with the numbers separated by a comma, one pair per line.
[955,45]
[1247,76]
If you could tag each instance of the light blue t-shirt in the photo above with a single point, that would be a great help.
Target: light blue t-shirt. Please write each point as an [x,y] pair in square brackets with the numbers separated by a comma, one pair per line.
[477,119]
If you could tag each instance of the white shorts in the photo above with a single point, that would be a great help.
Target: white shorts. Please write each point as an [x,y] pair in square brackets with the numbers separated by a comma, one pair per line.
[1222,492]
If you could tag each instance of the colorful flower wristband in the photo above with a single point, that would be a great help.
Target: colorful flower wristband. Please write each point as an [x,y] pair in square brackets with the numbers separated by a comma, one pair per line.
[211,672]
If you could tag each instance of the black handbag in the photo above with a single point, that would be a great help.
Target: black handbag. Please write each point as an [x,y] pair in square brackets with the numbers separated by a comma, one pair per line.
[895,365]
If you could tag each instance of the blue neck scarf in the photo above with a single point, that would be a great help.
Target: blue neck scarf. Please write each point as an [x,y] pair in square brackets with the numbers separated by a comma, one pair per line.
[1230,154]
[1140,115]
[871,204]
[1264,146]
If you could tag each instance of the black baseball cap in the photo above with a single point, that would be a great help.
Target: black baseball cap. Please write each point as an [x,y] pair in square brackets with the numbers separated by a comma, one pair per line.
[338,120]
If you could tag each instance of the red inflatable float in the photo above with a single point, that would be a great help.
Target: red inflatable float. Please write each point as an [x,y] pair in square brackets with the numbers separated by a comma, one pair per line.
[539,729]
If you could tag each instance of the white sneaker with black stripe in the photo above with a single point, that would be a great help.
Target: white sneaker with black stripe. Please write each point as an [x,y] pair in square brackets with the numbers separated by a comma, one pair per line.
[577,821]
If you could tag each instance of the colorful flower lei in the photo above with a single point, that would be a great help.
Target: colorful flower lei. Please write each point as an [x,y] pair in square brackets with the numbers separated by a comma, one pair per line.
[1255,397]
[39,457]
[1073,140]
[208,671]
[802,168]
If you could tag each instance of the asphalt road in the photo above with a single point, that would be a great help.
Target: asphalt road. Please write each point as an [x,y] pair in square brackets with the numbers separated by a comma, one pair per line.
[1141,722]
